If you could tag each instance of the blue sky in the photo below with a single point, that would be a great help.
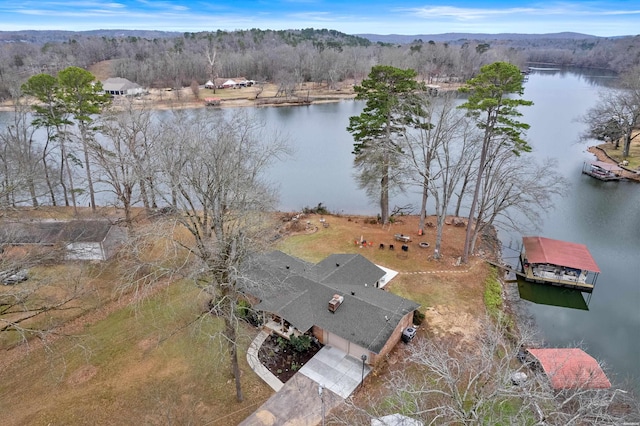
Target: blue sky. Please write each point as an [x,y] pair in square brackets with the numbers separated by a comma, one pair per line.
[602,18]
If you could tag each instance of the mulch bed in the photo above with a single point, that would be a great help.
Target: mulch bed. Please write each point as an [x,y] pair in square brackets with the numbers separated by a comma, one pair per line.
[282,360]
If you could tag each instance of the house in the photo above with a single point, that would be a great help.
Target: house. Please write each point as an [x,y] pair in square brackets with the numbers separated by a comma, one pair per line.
[336,300]
[81,239]
[570,368]
[209,85]
[233,83]
[117,86]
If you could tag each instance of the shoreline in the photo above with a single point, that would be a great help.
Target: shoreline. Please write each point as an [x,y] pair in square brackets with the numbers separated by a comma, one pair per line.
[255,96]
[601,155]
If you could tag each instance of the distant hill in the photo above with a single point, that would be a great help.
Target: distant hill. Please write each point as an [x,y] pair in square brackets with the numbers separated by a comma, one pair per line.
[461,37]
[41,37]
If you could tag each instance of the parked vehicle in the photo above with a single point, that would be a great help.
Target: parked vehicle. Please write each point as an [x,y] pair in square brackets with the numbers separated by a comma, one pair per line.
[11,277]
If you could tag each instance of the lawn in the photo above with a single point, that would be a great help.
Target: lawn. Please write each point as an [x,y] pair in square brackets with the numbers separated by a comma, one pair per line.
[451,296]
[159,361]
[616,154]
[147,361]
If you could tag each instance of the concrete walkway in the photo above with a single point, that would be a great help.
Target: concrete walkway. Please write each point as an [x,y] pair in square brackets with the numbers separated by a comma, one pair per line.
[256,365]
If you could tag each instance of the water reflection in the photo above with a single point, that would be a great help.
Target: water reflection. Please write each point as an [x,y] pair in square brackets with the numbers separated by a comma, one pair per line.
[552,296]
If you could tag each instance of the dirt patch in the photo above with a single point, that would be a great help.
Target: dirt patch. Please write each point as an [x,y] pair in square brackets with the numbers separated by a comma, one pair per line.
[446,320]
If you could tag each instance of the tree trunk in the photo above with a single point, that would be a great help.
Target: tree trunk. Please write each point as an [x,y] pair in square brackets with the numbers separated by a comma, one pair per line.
[47,178]
[437,253]
[463,189]
[32,192]
[70,176]
[474,202]
[85,148]
[627,145]
[423,205]
[233,348]
[384,197]
[143,195]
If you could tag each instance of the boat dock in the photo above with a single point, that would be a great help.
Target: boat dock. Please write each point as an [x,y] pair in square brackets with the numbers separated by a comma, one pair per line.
[555,280]
[602,171]
[559,263]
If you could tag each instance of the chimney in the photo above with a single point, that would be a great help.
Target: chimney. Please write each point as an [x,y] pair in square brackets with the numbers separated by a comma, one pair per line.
[335,302]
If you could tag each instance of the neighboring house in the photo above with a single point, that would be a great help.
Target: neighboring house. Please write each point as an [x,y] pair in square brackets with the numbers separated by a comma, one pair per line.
[229,84]
[337,301]
[233,83]
[82,239]
[209,85]
[117,86]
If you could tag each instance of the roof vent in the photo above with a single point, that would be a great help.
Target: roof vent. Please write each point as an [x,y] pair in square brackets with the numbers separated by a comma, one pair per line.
[335,302]
[337,265]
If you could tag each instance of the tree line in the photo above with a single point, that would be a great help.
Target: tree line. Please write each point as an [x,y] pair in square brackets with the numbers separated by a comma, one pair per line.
[308,55]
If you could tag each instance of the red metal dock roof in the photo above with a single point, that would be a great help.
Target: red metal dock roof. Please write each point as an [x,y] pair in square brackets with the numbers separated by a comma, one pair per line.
[562,253]
[571,368]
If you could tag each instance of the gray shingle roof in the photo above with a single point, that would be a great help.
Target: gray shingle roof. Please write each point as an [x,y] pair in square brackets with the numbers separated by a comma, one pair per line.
[366,317]
[118,84]
[347,269]
[54,232]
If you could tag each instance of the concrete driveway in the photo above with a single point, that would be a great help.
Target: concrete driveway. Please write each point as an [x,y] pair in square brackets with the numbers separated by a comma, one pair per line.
[335,370]
[299,402]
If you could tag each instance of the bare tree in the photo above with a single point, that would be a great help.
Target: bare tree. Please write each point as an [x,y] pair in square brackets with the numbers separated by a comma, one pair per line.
[454,158]
[124,157]
[442,128]
[28,306]
[616,116]
[211,54]
[515,190]
[221,199]
[21,164]
[452,382]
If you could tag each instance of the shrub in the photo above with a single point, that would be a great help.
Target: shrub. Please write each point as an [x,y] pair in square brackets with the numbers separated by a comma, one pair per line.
[493,294]
[243,308]
[282,342]
[300,344]
[418,317]
[319,209]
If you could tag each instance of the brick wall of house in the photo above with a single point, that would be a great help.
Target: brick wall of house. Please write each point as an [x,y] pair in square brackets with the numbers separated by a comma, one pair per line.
[393,340]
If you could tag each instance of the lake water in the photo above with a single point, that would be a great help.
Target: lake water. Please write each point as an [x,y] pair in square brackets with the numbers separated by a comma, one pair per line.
[604,216]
